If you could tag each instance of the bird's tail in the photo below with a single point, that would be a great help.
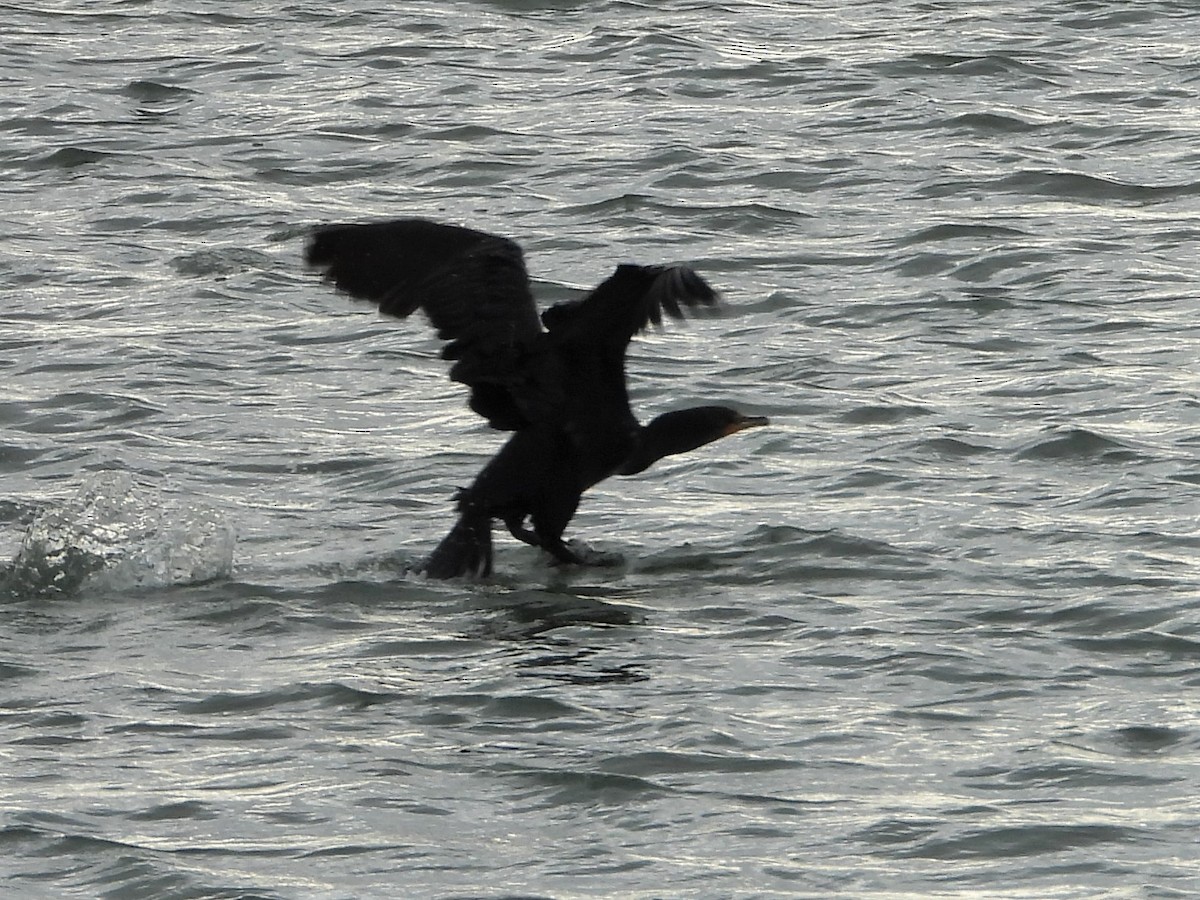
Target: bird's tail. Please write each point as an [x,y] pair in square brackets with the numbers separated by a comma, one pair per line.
[466,550]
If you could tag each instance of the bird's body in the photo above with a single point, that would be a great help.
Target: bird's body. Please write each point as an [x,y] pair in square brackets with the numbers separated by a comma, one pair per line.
[560,388]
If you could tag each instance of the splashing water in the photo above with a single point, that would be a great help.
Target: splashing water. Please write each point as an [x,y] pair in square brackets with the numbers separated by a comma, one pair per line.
[118,535]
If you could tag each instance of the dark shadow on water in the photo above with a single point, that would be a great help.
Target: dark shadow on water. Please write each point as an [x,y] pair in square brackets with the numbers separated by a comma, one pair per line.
[573,664]
[527,612]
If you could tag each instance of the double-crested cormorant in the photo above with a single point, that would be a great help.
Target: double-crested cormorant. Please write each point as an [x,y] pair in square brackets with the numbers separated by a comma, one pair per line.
[560,388]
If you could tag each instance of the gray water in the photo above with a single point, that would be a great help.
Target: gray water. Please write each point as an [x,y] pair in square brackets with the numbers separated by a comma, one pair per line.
[935,633]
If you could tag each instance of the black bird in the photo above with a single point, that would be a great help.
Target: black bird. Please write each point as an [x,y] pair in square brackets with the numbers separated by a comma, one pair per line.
[559,388]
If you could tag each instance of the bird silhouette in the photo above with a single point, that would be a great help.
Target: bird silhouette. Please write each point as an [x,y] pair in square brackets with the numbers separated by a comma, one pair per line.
[556,381]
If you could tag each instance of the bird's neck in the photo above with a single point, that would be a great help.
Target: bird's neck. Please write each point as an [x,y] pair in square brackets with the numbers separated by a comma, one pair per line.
[667,435]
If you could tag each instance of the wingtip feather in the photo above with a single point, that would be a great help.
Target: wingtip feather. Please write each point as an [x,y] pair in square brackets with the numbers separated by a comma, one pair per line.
[678,287]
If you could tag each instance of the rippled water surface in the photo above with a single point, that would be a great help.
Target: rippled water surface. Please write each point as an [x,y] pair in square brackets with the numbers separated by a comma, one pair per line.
[936,632]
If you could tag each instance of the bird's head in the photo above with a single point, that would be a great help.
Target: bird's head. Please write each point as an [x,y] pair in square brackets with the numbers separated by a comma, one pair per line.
[685,430]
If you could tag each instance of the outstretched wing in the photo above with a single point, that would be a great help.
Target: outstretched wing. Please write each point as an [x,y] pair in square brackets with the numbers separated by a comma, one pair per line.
[592,335]
[474,289]
[628,301]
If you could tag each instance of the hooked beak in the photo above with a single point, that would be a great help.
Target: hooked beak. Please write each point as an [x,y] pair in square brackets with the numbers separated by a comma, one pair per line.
[743,422]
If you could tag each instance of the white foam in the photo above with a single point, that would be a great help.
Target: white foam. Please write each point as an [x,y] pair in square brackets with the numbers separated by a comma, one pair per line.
[119,534]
